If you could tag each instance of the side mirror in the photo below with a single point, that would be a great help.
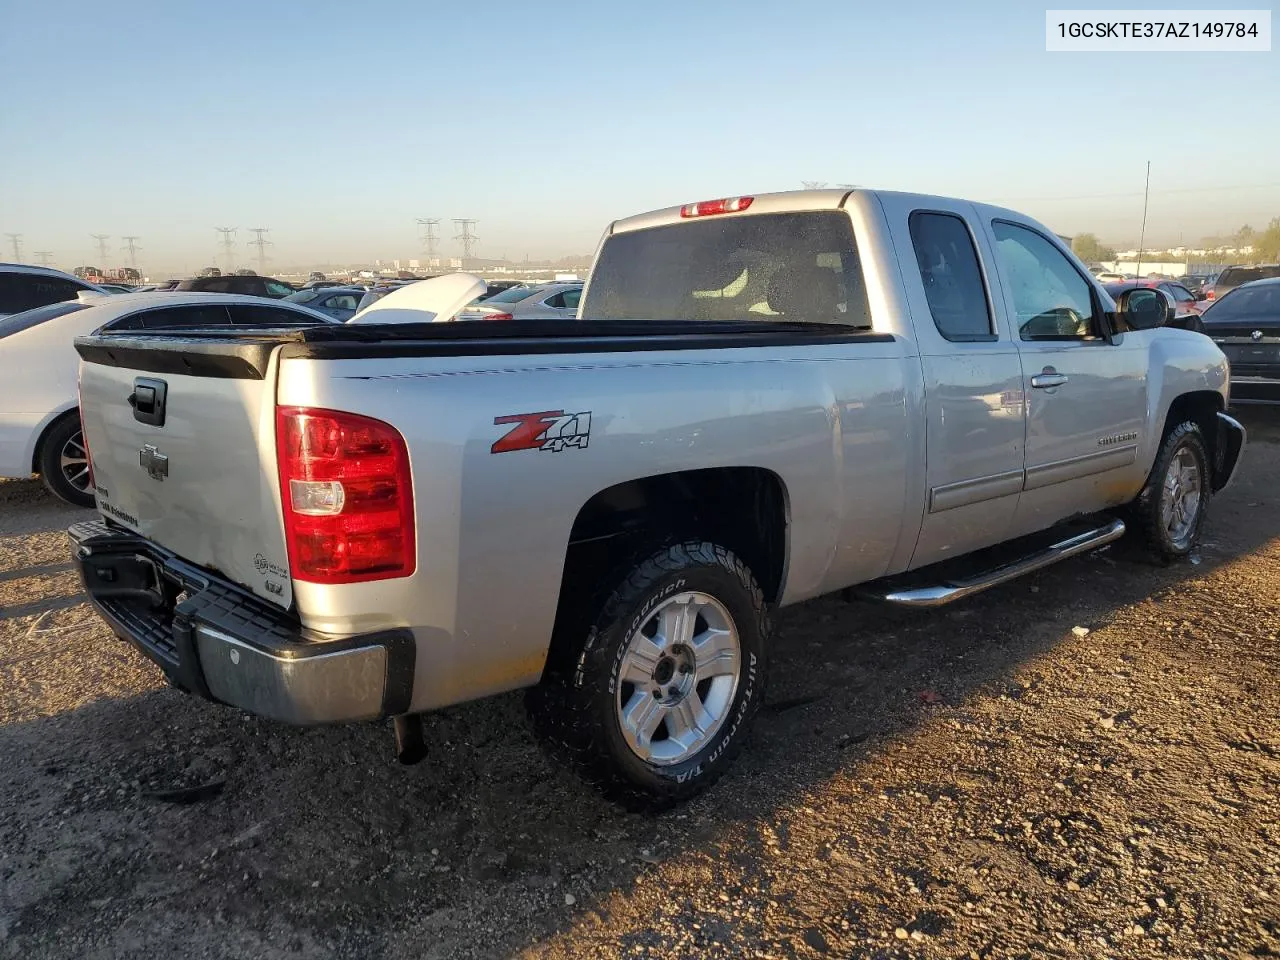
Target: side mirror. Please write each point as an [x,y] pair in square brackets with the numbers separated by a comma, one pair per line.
[1145,308]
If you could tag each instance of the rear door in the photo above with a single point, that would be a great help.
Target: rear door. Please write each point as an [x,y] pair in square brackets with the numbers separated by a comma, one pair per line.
[973,378]
[188,460]
[1086,395]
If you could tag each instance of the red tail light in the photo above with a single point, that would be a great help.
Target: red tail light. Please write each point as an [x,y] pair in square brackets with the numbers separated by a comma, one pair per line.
[497,316]
[347,494]
[709,208]
[1208,294]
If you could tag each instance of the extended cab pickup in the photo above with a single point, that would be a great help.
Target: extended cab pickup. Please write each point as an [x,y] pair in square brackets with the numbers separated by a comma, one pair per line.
[764,399]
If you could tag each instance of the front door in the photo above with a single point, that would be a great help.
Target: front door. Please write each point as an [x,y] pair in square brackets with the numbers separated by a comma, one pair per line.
[1086,393]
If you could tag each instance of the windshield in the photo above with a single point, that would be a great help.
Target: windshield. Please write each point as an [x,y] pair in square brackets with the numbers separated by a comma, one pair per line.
[305,296]
[1245,303]
[33,318]
[775,266]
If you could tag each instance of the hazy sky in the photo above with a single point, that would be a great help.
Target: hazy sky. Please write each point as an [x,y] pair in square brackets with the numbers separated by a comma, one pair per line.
[336,125]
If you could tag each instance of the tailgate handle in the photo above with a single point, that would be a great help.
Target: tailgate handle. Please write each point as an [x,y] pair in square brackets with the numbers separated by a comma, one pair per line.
[148,400]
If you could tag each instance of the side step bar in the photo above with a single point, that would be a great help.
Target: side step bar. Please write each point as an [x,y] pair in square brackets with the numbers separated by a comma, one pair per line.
[952,590]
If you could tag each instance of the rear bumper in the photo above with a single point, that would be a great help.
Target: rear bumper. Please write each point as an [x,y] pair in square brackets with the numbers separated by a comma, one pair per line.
[219,642]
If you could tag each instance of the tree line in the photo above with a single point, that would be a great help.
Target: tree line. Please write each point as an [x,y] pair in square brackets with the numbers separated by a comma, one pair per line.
[1265,243]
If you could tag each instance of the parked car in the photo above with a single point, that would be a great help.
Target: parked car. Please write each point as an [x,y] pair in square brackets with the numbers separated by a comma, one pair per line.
[116,288]
[340,303]
[39,428]
[24,287]
[317,284]
[547,301]
[1246,324]
[253,286]
[1186,310]
[1106,276]
[1233,277]
[343,523]
[162,285]
[315,275]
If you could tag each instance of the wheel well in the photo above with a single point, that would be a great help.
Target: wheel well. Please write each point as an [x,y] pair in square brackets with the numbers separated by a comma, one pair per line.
[1202,407]
[35,451]
[742,508]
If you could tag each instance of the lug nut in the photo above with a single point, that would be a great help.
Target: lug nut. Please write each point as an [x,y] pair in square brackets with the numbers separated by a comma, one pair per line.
[673,691]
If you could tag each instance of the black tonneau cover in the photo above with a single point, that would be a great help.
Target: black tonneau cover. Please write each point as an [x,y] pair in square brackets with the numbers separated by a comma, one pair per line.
[244,354]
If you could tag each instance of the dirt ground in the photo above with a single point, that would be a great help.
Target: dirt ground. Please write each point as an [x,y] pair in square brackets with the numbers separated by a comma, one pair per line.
[986,781]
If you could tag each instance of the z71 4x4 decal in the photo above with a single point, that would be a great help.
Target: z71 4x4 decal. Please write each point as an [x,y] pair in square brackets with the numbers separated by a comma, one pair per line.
[552,430]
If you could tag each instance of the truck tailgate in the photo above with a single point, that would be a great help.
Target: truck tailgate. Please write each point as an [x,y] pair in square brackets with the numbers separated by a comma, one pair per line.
[187,459]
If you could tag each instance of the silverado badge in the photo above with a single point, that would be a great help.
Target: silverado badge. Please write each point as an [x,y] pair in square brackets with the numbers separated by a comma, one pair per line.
[154,462]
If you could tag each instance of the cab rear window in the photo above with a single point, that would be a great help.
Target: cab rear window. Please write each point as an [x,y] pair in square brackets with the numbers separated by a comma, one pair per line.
[775,266]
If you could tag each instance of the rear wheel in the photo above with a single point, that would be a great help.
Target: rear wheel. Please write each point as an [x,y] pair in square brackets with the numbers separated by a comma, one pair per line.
[1171,508]
[64,463]
[657,698]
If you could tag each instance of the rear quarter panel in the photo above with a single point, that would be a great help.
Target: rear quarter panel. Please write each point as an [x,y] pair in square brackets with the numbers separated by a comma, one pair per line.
[493,528]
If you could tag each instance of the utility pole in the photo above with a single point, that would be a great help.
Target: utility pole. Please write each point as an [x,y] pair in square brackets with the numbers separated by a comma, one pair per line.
[131,244]
[429,237]
[228,246]
[466,236]
[1142,237]
[16,240]
[44,257]
[102,239]
[261,243]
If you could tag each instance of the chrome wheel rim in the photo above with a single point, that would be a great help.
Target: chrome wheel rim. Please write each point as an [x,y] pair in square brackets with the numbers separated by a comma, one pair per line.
[678,677]
[73,461]
[1180,498]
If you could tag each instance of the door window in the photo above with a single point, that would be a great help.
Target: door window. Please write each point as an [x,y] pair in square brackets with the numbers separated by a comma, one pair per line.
[951,275]
[1052,300]
[1179,293]
[26,291]
[342,302]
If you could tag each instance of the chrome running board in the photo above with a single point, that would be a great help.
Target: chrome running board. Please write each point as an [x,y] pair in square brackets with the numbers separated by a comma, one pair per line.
[952,590]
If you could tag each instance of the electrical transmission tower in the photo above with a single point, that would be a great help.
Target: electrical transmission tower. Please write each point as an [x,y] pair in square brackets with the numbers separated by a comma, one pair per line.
[102,239]
[44,257]
[261,243]
[228,246]
[429,237]
[131,244]
[466,236]
[16,240]
[813,184]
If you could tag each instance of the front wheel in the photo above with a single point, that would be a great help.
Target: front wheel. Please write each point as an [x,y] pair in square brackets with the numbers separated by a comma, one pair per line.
[64,463]
[663,689]
[1171,508]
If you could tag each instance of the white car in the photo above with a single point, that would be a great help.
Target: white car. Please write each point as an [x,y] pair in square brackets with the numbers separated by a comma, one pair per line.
[547,301]
[39,425]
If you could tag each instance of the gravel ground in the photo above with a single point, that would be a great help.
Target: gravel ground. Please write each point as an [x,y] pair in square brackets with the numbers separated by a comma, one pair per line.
[987,781]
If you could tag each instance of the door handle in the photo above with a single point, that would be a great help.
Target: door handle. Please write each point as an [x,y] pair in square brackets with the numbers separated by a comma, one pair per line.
[1043,380]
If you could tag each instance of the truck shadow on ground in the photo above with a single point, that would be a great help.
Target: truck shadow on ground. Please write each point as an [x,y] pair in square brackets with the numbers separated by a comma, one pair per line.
[318,838]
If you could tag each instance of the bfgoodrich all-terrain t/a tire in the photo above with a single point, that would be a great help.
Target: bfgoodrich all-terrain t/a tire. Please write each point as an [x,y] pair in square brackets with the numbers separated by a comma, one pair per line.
[1170,510]
[656,700]
[64,462]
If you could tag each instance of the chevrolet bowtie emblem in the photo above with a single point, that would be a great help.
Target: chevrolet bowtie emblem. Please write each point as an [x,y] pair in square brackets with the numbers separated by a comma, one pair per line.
[154,462]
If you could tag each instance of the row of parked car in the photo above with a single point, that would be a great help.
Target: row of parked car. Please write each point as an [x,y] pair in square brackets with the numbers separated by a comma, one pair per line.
[42,311]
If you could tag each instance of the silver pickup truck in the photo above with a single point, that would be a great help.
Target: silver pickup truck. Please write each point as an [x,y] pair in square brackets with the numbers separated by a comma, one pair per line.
[763,400]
